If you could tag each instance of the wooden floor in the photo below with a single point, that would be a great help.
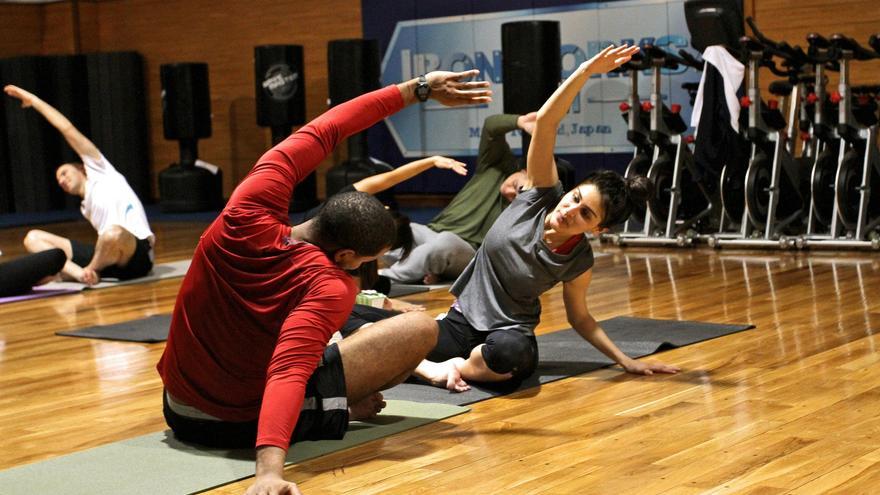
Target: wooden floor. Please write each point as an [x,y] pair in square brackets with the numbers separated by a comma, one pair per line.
[790,407]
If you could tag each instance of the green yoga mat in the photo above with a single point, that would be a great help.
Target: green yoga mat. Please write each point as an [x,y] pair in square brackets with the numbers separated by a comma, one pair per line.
[158,464]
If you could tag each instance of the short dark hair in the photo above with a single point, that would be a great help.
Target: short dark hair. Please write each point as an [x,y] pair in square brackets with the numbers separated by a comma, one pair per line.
[356,221]
[620,195]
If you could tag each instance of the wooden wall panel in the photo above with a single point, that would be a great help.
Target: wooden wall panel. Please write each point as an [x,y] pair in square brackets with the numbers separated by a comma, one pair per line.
[223,33]
[792,21]
[22,29]
[59,35]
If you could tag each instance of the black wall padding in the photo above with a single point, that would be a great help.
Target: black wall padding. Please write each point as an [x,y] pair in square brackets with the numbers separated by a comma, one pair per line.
[118,115]
[186,101]
[68,91]
[280,85]
[353,68]
[531,64]
[6,204]
[34,145]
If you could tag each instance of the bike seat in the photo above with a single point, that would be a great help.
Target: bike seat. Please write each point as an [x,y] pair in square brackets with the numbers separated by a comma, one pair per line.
[818,41]
[751,45]
[874,41]
[780,88]
[655,54]
[842,42]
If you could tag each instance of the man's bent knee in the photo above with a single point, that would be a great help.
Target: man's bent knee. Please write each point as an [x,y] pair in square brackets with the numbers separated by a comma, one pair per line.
[34,240]
[116,235]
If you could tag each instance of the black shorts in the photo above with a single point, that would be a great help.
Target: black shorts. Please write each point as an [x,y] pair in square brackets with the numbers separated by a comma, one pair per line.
[505,350]
[362,314]
[324,414]
[139,265]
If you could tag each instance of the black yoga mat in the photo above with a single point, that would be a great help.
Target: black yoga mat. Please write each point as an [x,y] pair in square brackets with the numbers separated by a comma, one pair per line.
[400,290]
[565,353]
[149,330]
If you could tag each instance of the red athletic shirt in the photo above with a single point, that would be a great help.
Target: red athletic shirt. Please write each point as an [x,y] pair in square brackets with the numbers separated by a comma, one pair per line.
[256,309]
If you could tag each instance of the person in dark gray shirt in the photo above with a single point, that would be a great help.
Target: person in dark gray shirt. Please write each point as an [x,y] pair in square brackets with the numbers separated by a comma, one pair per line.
[537,242]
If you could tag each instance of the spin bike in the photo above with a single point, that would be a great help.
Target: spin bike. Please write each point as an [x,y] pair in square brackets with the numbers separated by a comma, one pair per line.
[772,197]
[678,201]
[855,214]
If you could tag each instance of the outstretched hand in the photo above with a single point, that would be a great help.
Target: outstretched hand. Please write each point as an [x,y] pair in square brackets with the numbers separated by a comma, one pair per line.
[610,58]
[641,368]
[452,88]
[527,122]
[449,164]
[27,98]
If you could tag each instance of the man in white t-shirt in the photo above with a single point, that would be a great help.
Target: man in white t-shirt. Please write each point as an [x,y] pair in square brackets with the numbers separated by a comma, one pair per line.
[124,249]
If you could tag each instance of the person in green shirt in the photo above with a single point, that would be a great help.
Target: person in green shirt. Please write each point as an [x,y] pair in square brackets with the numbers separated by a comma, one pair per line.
[444,247]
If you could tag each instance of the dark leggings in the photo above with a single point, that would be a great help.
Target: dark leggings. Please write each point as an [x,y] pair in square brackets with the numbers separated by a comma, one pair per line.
[21,274]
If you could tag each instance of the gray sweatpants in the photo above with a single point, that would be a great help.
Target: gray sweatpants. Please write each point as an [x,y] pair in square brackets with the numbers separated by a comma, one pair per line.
[440,253]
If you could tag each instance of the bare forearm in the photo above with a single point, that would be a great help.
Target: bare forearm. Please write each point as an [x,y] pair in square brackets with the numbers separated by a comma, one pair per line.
[270,462]
[593,333]
[53,116]
[80,144]
[555,108]
[408,91]
[380,182]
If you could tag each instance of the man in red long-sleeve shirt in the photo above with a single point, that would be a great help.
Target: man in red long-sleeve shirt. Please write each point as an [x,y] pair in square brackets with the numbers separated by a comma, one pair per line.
[247,361]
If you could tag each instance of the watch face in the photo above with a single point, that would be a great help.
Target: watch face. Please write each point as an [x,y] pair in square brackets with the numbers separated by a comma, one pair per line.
[422,91]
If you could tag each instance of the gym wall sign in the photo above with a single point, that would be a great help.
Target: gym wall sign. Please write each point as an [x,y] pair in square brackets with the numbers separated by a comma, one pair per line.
[474,41]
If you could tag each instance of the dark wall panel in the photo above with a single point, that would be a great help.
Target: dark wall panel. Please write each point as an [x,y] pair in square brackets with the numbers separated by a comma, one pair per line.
[118,115]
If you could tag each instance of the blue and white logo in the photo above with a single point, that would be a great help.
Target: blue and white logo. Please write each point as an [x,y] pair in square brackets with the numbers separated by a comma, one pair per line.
[460,43]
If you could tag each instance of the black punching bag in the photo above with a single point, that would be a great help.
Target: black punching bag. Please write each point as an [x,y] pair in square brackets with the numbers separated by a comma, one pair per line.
[531,68]
[279,75]
[354,69]
[186,117]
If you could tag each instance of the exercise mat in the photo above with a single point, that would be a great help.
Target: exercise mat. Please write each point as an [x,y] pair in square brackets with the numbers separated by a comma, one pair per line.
[149,330]
[161,271]
[158,463]
[565,353]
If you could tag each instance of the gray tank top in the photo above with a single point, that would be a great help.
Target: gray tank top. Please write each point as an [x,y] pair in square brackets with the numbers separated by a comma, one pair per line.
[501,287]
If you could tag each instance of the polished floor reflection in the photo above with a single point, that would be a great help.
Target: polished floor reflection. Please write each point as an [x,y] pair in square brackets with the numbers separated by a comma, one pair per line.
[790,407]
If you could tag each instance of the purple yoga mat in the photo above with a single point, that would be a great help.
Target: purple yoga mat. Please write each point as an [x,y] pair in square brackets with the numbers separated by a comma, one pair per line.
[36,294]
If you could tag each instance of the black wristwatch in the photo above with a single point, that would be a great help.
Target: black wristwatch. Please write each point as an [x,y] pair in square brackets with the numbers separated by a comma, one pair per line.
[423,91]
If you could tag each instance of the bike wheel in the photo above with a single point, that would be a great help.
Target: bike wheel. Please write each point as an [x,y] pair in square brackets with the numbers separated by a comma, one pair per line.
[757,185]
[733,193]
[661,175]
[639,165]
[822,186]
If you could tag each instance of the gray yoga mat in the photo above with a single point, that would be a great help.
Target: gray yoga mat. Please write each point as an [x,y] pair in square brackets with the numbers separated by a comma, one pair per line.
[157,463]
[159,272]
[149,330]
[565,353]
[400,290]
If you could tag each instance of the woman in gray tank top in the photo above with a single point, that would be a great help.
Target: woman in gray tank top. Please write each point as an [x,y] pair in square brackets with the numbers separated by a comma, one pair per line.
[539,241]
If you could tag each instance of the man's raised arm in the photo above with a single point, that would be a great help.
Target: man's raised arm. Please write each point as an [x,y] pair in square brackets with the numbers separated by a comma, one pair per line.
[80,144]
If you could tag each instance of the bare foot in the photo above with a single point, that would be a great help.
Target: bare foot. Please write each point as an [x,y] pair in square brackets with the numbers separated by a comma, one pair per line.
[89,276]
[366,408]
[444,375]
[402,306]
[48,279]
[430,279]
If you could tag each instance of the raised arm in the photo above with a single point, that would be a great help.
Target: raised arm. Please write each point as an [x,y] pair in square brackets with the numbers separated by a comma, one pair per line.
[80,144]
[540,168]
[375,184]
[574,294]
